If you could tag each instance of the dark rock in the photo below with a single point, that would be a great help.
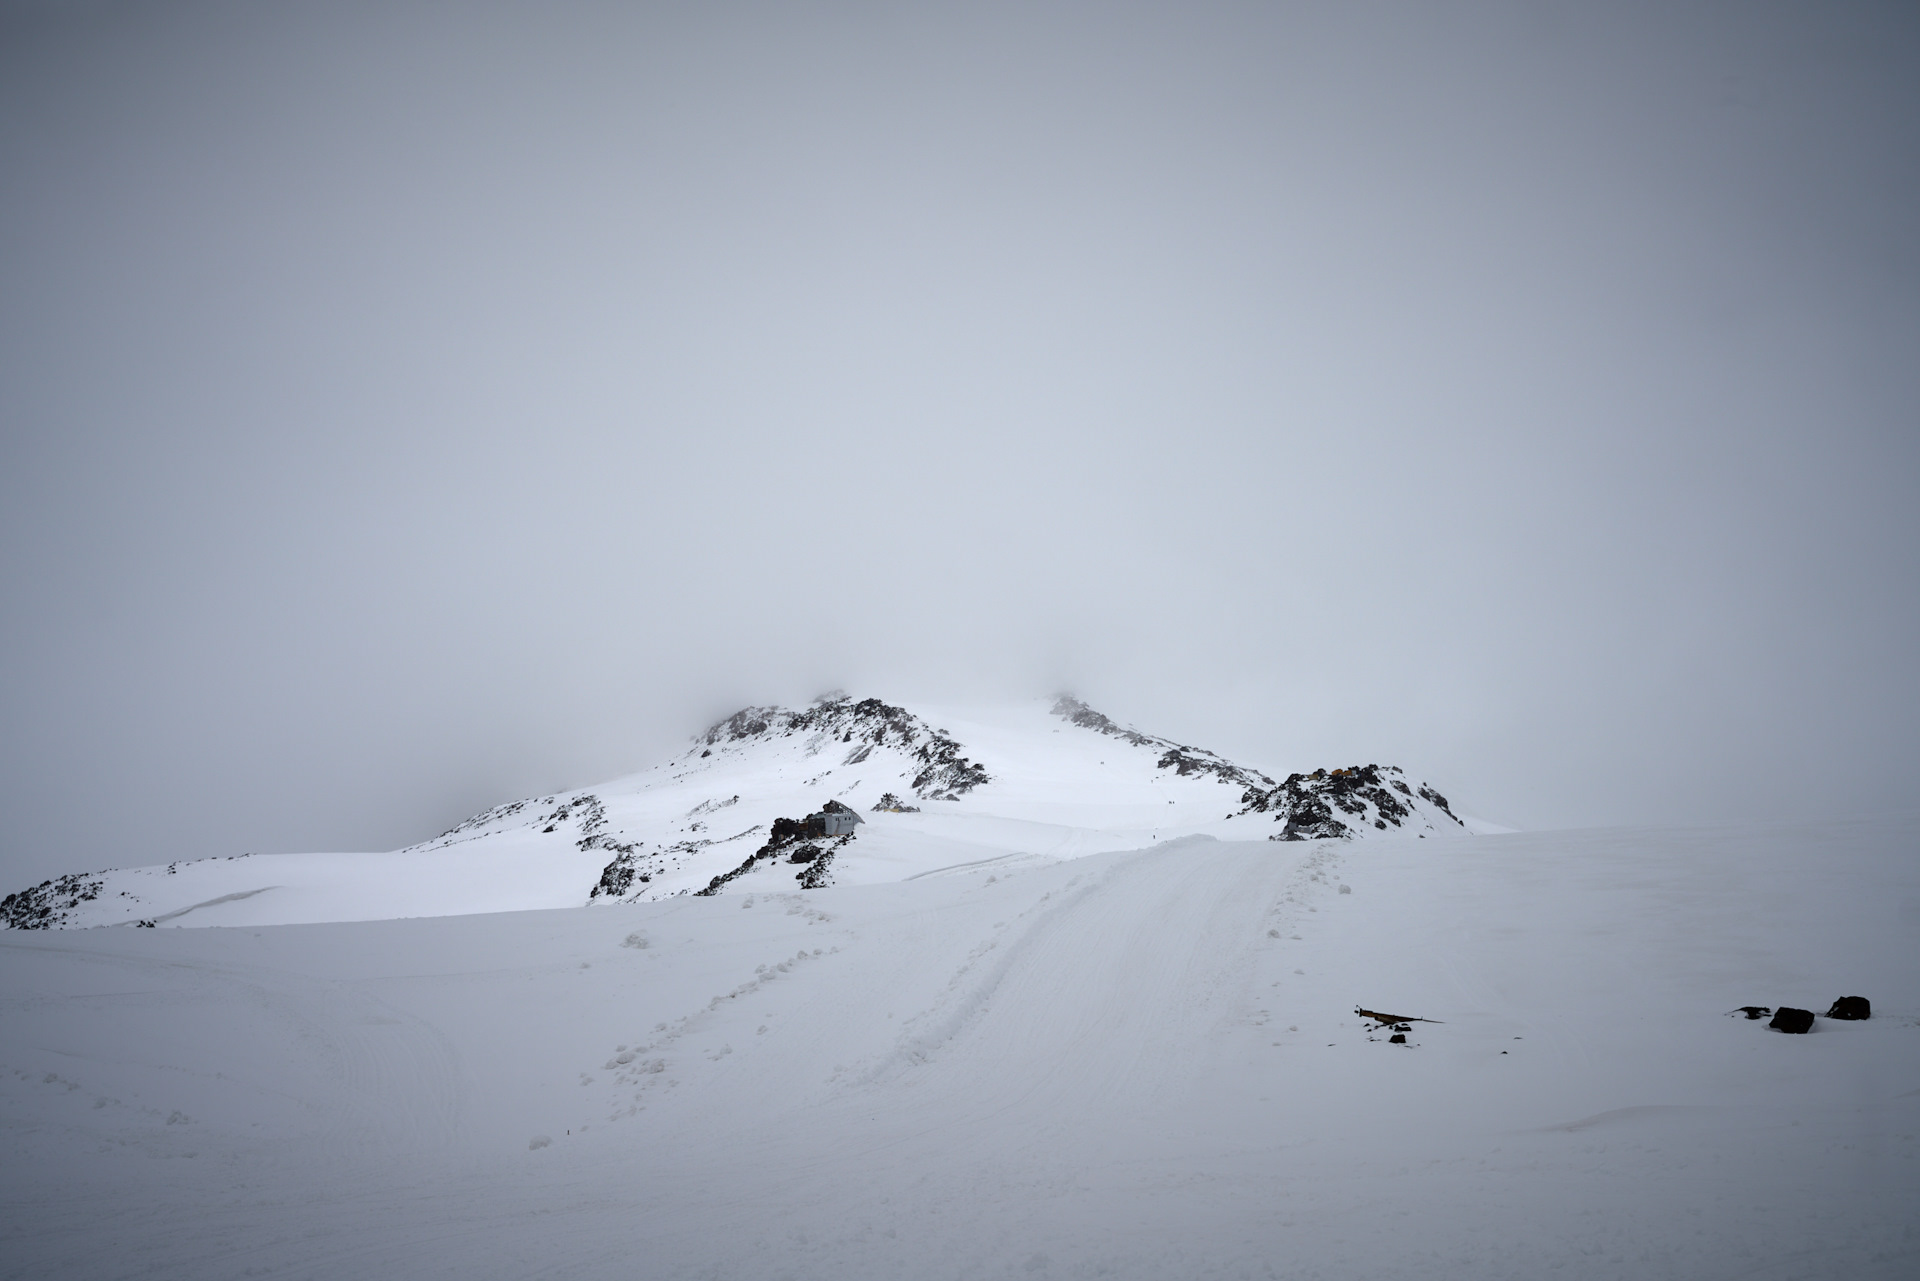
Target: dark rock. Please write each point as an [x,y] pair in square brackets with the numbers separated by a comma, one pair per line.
[788,836]
[1851,1007]
[1756,1011]
[1788,1019]
[1305,804]
[617,877]
[1398,1038]
[816,873]
[50,904]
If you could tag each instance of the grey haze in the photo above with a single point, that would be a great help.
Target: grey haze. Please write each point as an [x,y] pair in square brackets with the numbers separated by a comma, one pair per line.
[406,407]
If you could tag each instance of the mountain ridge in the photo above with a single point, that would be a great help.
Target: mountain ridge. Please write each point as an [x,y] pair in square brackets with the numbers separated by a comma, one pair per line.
[1042,781]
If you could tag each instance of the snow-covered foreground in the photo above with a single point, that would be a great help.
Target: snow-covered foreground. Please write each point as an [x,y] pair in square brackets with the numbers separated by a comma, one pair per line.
[1136,1064]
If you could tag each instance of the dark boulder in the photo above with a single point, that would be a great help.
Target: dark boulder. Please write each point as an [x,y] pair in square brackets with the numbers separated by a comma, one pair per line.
[1851,1007]
[1788,1019]
[1755,1011]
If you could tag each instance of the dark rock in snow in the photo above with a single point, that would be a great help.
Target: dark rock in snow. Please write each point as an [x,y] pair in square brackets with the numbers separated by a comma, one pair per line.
[1851,1007]
[617,877]
[1362,795]
[789,837]
[1398,1038]
[1788,1019]
[1755,1011]
[49,904]
[816,873]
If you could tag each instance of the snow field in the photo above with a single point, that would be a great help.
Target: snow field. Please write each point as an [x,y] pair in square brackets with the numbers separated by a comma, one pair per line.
[1134,1064]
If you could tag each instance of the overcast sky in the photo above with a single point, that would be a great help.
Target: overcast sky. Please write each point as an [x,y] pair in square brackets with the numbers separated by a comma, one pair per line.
[411,406]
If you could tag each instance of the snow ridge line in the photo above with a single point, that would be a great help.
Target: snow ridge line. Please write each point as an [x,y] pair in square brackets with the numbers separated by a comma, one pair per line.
[586,807]
[1178,757]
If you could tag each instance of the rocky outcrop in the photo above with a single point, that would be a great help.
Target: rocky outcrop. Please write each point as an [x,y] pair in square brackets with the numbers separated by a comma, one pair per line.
[617,877]
[818,871]
[1333,804]
[50,904]
[788,837]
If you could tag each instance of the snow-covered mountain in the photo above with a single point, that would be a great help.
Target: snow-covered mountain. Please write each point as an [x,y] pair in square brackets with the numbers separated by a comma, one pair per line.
[935,790]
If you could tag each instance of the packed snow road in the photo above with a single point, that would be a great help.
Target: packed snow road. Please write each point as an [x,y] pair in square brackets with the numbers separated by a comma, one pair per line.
[1141,1064]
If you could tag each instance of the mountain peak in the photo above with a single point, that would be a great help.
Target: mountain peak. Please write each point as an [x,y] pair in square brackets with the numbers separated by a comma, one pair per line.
[945,774]
[938,788]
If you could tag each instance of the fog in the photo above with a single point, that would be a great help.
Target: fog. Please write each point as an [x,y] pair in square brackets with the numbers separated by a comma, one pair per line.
[409,407]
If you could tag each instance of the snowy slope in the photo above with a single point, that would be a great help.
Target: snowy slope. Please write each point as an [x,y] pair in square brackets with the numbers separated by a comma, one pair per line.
[1135,1065]
[938,788]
